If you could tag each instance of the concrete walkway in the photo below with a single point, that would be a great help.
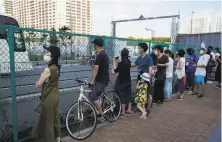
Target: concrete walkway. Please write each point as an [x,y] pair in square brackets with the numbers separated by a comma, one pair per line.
[190,120]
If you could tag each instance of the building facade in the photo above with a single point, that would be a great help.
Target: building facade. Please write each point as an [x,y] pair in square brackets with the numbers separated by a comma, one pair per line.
[219,23]
[7,7]
[199,25]
[48,14]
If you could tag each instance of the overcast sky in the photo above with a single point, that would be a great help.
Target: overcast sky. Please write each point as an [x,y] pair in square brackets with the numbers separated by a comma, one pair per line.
[104,11]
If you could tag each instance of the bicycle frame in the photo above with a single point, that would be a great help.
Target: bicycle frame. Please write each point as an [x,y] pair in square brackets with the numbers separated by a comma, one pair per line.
[83,97]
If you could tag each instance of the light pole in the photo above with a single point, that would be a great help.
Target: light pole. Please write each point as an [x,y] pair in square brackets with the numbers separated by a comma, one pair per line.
[151,31]
[191,22]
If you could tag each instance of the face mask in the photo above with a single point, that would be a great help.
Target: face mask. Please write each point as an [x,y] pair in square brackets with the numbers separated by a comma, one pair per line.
[155,52]
[47,58]
[201,51]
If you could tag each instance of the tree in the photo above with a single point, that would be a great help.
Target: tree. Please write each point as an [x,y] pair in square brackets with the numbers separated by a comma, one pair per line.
[53,38]
[43,37]
[65,38]
[157,39]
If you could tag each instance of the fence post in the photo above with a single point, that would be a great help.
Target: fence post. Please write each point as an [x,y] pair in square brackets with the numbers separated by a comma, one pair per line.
[149,46]
[13,84]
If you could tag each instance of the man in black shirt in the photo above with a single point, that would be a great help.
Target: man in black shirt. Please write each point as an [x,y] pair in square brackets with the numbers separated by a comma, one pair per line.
[161,61]
[100,73]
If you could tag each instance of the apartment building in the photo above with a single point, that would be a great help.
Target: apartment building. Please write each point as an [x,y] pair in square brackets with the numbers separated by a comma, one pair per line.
[199,25]
[7,7]
[219,23]
[46,14]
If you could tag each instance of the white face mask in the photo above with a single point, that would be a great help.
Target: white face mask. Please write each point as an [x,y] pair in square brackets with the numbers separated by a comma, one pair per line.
[155,52]
[201,51]
[47,58]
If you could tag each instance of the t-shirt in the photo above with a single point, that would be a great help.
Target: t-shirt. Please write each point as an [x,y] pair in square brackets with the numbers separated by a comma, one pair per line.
[161,71]
[154,57]
[123,68]
[144,62]
[180,64]
[102,60]
[203,60]
[169,69]
[193,58]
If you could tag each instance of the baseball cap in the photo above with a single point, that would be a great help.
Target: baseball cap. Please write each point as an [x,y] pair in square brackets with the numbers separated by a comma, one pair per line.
[55,51]
[98,41]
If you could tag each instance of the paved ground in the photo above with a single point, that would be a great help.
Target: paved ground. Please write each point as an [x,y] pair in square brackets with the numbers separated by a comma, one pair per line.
[190,120]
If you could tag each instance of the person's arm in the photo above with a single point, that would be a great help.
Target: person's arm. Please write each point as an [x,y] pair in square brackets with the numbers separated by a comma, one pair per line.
[135,64]
[114,63]
[45,75]
[150,65]
[205,62]
[139,85]
[95,69]
[163,65]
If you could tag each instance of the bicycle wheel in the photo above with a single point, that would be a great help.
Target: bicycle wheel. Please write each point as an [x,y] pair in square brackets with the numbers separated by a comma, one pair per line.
[81,129]
[113,114]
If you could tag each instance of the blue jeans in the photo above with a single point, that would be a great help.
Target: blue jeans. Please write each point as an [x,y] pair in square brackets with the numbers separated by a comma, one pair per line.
[168,87]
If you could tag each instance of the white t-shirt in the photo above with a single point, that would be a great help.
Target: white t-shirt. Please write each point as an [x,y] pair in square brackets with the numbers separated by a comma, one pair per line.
[203,60]
[213,55]
[169,69]
[180,72]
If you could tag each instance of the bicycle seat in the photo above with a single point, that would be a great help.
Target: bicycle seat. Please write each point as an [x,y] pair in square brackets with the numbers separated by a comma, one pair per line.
[81,81]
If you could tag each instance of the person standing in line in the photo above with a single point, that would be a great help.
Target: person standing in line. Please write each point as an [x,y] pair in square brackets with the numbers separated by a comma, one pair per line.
[124,87]
[160,75]
[191,62]
[210,65]
[154,58]
[218,69]
[144,63]
[48,128]
[201,72]
[180,73]
[169,75]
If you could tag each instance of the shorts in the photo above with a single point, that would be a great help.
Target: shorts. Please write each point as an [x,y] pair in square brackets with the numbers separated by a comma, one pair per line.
[97,91]
[199,79]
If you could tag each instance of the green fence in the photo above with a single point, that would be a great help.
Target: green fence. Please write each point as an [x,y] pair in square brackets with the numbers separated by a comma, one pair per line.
[21,64]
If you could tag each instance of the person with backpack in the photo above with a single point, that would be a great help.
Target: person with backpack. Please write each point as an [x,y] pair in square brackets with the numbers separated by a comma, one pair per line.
[191,62]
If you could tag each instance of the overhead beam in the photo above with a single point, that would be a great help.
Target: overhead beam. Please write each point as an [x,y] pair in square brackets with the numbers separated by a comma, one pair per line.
[148,18]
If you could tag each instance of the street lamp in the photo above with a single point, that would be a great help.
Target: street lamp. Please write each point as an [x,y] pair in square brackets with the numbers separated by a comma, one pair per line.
[151,31]
[191,22]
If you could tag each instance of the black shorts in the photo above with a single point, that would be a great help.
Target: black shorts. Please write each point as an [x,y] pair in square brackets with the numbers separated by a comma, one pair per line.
[97,91]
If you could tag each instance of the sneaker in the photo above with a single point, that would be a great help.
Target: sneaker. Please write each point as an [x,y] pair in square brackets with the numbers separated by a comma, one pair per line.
[160,103]
[217,86]
[100,118]
[200,96]
[180,98]
[190,93]
[209,82]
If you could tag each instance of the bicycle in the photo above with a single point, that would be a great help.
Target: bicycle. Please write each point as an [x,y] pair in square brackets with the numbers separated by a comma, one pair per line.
[87,110]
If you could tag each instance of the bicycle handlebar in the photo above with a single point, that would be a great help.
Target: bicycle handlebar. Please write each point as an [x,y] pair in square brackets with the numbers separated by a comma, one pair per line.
[85,82]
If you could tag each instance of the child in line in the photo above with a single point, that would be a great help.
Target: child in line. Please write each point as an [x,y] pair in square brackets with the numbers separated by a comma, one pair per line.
[141,97]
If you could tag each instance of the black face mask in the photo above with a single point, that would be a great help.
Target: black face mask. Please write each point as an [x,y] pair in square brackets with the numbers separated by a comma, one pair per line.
[189,53]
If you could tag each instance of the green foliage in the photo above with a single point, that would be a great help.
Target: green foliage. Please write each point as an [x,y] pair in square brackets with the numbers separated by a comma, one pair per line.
[157,39]
[53,38]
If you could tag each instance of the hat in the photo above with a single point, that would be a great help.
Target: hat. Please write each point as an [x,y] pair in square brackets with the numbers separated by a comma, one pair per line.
[98,41]
[54,50]
[145,76]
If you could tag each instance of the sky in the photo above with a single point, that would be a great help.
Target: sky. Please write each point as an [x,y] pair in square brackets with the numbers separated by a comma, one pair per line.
[104,11]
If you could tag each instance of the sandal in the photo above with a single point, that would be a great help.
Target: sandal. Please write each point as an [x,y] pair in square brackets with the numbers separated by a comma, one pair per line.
[127,112]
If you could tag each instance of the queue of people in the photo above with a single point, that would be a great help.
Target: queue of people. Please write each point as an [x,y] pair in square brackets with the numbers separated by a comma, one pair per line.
[190,73]
[48,126]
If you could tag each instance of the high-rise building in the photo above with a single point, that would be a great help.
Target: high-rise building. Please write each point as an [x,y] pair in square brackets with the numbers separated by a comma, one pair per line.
[7,7]
[219,23]
[46,14]
[199,25]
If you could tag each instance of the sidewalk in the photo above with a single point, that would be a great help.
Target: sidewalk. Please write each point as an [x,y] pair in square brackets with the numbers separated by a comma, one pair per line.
[190,120]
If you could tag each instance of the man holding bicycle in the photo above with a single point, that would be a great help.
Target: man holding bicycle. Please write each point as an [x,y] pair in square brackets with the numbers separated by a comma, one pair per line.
[100,73]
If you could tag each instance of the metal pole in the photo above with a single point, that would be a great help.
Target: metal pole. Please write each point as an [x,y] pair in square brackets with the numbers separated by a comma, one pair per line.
[114,29]
[191,22]
[13,84]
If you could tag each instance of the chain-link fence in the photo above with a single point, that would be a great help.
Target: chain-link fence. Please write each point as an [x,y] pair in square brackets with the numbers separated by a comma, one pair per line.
[21,64]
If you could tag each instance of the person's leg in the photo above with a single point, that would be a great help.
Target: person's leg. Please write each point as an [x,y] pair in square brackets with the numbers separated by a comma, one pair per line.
[166,89]
[142,109]
[57,127]
[156,90]
[201,87]
[161,83]
[170,88]
[129,109]
[123,109]
[182,89]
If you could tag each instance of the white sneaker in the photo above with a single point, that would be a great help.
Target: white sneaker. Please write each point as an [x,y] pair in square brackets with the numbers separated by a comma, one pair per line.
[209,82]
[190,92]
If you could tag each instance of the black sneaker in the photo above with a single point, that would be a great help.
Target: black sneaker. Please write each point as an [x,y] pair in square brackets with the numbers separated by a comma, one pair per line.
[200,96]
[160,103]
[218,86]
